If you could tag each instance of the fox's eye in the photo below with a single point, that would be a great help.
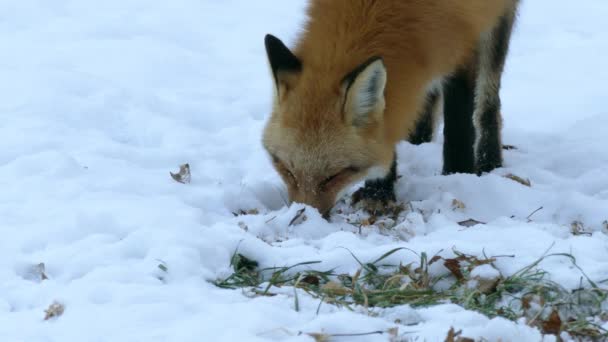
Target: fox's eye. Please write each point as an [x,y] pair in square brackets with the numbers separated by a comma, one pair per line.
[283,169]
[351,170]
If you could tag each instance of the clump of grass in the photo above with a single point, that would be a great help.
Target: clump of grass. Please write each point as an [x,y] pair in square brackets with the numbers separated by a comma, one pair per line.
[528,293]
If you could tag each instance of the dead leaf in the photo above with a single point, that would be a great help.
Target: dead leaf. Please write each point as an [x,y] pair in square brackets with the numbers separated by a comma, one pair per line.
[393,334]
[253,211]
[470,223]
[518,179]
[335,289]
[458,205]
[434,259]
[485,285]
[243,226]
[578,228]
[299,218]
[454,336]
[454,266]
[183,176]
[41,270]
[54,310]
[553,325]
[319,337]
[365,223]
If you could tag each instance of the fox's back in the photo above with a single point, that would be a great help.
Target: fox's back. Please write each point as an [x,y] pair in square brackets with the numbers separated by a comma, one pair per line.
[435,34]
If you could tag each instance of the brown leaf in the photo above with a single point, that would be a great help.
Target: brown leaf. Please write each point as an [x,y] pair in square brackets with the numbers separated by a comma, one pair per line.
[454,266]
[458,205]
[452,334]
[393,334]
[525,303]
[487,286]
[518,179]
[578,228]
[434,259]
[319,337]
[240,212]
[183,176]
[54,310]
[334,289]
[470,223]
[553,325]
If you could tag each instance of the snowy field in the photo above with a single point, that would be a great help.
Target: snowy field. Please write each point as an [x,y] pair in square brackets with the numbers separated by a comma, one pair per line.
[100,100]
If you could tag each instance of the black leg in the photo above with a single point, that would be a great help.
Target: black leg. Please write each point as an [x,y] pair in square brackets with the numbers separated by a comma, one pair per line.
[425,126]
[379,190]
[493,50]
[458,131]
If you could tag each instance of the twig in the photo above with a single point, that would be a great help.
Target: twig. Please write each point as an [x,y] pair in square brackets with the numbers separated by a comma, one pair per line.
[534,212]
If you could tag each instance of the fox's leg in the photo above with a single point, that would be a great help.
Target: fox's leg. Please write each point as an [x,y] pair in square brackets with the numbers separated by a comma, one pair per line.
[381,191]
[458,130]
[425,126]
[492,52]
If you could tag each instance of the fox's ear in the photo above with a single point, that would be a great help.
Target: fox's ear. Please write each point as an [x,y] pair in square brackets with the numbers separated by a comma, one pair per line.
[364,92]
[283,63]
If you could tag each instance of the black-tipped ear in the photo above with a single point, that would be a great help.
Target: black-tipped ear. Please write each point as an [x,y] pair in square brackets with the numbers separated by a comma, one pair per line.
[280,57]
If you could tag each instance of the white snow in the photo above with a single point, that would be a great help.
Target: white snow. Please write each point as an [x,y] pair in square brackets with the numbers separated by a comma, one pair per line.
[99,100]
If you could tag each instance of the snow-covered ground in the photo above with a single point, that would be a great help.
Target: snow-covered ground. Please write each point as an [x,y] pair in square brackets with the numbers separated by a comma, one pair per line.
[99,100]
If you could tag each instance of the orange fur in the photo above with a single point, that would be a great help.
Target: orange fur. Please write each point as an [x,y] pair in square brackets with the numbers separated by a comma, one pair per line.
[420,41]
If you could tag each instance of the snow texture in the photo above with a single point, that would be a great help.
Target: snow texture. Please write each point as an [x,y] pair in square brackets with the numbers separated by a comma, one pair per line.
[100,100]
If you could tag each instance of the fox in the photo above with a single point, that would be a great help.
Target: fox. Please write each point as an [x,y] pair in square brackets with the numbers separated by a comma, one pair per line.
[367,74]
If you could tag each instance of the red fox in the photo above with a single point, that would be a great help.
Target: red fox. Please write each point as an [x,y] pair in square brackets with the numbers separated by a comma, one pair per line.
[366,74]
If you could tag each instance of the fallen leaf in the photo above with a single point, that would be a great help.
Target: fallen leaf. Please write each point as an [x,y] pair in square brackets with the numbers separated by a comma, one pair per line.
[393,334]
[318,337]
[41,270]
[253,211]
[518,179]
[487,286]
[458,205]
[454,336]
[454,266]
[553,325]
[470,223]
[334,289]
[243,226]
[435,259]
[54,310]
[183,176]
[578,228]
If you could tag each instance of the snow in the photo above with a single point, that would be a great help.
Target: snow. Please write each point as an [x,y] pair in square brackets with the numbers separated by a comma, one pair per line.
[101,100]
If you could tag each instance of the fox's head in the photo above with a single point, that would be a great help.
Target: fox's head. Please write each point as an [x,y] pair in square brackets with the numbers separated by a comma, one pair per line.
[326,131]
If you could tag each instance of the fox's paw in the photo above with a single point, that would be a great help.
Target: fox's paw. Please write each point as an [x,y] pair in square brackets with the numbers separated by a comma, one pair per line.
[376,201]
